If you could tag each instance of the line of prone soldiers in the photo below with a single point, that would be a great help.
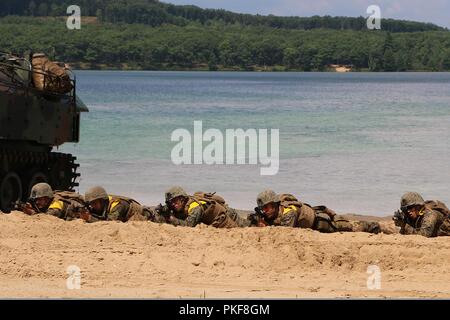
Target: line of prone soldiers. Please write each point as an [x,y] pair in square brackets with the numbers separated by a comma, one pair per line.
[416,216]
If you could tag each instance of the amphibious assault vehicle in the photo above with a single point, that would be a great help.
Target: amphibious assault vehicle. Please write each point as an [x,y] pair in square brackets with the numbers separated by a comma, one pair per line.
[35,118]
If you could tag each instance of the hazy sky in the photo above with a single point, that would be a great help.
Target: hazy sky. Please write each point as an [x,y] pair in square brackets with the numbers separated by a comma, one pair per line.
[435,11]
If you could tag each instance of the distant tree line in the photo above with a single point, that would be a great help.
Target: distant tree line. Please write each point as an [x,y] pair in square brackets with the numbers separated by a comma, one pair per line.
[223,46]
[155,13]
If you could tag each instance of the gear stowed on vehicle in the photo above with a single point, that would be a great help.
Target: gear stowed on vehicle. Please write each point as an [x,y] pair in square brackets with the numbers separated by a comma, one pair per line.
[35,118]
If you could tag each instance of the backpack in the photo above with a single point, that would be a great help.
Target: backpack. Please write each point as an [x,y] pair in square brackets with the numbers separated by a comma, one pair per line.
[210,197]
[74,201]
[325,210]
[50,76]
[135,210]
[216,206]
[438,206]
[14,69]
[287,199]
[70,197]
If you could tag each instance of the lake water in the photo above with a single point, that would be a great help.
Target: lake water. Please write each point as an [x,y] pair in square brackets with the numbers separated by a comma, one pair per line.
[354,142]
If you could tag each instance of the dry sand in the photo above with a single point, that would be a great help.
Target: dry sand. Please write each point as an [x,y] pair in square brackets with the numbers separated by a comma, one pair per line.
[146,260]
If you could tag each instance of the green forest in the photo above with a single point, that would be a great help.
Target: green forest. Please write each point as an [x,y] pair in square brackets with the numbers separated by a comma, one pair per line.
[151,35]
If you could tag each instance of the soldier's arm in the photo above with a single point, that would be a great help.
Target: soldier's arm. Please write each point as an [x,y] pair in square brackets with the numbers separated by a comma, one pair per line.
[406,228]
[289,218]
[86,216]
[256,221]
[119,211]
[240,221]
[150,214]
[243,222]
[194,217]
[75,211]
[426,229]
[28,209]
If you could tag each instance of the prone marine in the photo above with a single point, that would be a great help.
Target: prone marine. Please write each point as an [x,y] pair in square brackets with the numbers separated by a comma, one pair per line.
[416,216]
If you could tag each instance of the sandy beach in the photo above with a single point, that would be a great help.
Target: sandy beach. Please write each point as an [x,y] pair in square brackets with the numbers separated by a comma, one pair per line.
[146,260]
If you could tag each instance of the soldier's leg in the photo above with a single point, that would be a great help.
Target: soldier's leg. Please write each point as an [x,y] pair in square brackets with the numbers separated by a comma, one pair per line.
[144,214]
[365,226]
[224,221]
[323,223]
[234,215]
[152,215]
[444,230]
[342,225]
[138,217]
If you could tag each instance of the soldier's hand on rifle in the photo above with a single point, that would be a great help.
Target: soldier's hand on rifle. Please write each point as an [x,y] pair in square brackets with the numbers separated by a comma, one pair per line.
[85,214]
[28,209]
[257,218]
[164,212]
[399,218]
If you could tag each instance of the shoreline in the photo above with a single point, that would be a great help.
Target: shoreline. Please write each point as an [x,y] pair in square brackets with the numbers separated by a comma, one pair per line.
[82,66]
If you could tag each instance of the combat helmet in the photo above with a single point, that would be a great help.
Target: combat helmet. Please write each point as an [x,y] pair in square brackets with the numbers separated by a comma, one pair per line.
[266,197]
[95,193]
[41,190]
[410,199]
[175,192]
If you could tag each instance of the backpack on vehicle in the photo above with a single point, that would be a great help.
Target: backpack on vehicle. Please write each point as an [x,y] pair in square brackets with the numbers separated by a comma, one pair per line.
[49,76]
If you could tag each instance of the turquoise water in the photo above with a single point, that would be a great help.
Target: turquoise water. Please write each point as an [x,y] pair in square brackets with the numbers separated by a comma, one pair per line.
[354,142]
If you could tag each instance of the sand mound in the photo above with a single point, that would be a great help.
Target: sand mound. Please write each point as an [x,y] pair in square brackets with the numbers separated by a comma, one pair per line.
[142,259]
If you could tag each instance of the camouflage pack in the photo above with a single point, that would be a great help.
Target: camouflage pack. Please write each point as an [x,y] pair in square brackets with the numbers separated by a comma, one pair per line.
[209,197]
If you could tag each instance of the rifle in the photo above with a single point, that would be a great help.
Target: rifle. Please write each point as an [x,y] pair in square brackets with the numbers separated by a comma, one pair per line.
[163,210]
[399,218]
[83,211]
[256,217]
[25,206]
[19,205]
[163,213]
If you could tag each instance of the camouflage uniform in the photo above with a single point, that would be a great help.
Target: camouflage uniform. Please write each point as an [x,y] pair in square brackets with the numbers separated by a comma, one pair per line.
[234,215]
[432,220]
[201,210]
[117,208]
[293,213]
[63,204]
